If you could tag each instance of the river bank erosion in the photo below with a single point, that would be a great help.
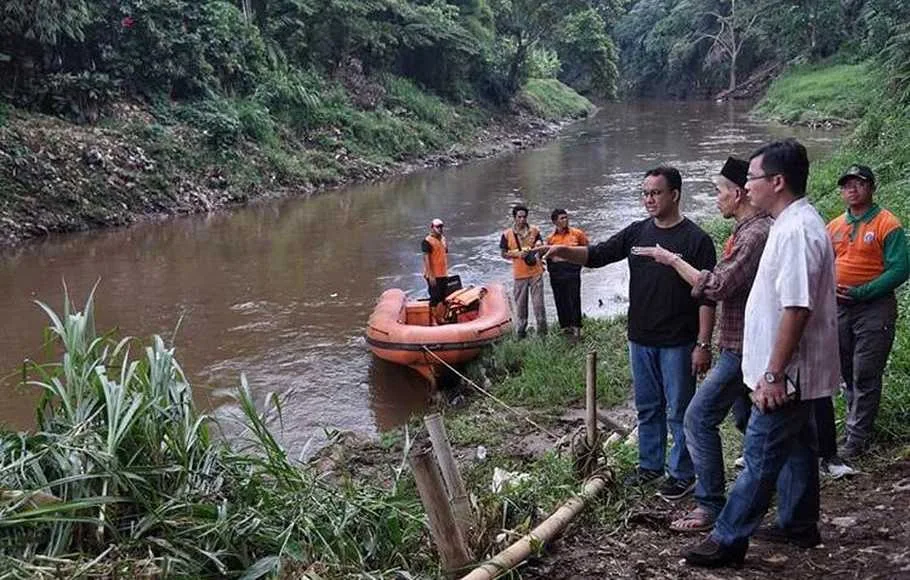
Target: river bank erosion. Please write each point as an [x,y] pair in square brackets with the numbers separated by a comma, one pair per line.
[62,177]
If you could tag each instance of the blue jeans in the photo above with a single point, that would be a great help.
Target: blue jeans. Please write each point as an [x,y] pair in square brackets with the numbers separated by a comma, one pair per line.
[664,385]
[721,390]
[780,452]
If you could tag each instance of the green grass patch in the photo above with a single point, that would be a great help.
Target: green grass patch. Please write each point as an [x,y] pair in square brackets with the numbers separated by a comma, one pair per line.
[549,372]
[550,99]
[812,95]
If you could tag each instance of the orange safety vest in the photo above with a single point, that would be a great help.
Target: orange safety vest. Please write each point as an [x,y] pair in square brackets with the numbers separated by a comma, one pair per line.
[520,270]
[860,258]
[573,237]
[439,260]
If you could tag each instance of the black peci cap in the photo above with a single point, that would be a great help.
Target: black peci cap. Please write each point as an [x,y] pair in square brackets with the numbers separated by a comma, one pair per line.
[735,170]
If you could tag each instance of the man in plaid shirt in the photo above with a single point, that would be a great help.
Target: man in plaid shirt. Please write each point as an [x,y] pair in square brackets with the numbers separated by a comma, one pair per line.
[729,284]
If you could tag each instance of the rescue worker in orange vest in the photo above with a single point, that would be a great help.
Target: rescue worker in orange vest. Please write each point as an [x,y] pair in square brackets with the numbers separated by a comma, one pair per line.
[436,268]
[870,250]
[565,277]
[516,245]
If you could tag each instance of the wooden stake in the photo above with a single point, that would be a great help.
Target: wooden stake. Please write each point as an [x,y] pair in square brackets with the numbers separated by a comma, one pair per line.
[461,505]
[591,399]
[445,532]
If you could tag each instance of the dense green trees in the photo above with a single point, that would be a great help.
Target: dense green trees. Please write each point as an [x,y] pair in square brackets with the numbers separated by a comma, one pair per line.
[74,56]
[686,47]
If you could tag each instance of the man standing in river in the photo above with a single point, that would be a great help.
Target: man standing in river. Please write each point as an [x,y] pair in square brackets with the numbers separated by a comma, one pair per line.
[669,330]
[790,331]
[515,245]
[729,283]
[565,277]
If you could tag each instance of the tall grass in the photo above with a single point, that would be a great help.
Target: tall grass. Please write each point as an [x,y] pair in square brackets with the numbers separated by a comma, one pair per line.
[816,94]
[550,99]
[549,372]
[122,477]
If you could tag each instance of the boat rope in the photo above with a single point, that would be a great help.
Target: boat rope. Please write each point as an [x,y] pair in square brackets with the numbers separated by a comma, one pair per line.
[494,398]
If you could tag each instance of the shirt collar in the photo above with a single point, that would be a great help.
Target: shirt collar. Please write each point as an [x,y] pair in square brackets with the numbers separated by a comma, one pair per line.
[749,220]
[793,208]
[866,217]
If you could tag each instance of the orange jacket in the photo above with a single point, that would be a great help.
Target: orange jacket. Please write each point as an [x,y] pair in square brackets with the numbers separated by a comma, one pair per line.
[510,241]
[438,256]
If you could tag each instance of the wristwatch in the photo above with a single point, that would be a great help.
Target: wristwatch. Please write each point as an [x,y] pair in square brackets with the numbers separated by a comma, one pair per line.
[772,378]
[704,345]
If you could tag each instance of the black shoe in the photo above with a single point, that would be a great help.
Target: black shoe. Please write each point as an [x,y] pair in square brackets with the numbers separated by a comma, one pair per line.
[674,489]
[808,538]
[711,554]
[641,477]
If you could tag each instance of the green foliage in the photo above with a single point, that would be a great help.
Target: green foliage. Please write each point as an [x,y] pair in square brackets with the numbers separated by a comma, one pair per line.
[549,372]
[882,141]
[670,46]
[551,99]
[47,21]
[78,96]
[814,94]
[543,63]
[588,54]
[121,456]
[896,60]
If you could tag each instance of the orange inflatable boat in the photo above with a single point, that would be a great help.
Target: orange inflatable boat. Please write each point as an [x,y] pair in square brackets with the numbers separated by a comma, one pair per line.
[399,329]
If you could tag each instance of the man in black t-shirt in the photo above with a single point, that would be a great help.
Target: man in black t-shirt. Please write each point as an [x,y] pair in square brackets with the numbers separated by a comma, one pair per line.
[669,331]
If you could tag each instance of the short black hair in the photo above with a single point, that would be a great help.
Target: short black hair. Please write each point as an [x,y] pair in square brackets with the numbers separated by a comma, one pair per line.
[556,213]
[517,208]
[671,174]
[787,158]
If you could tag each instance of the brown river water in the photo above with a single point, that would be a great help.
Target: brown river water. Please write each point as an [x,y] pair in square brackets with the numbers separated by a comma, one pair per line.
[281,290]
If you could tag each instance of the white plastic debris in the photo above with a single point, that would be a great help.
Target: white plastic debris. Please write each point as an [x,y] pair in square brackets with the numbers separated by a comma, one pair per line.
[844,522]
[632,438]
[503,479]
[481,453]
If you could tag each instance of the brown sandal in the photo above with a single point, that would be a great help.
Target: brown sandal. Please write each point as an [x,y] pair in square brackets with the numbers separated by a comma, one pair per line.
[697,520]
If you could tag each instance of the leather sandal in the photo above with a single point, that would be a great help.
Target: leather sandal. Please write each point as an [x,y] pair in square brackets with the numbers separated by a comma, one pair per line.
[697,520]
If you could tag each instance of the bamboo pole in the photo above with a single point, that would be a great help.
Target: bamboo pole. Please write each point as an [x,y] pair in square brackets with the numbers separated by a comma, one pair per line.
[461,505]
[445,532]
[520,550]
[591,399]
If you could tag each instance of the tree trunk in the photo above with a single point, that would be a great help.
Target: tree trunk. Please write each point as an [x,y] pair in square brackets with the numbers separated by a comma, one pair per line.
[732,71]
[515,69]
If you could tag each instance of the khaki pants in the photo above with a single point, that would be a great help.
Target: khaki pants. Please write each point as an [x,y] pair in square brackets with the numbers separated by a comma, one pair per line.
[523,288]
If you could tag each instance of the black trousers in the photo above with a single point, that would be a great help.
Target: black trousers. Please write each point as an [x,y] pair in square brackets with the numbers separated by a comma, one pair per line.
[567,295]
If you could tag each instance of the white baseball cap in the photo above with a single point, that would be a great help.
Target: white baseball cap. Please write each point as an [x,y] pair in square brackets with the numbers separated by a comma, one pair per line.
[437,222]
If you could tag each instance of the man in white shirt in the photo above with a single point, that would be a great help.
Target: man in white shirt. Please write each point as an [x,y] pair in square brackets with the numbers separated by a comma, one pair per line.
[790,333]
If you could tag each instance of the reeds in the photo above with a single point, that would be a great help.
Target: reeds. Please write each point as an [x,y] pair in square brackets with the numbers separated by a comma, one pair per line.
[122,477]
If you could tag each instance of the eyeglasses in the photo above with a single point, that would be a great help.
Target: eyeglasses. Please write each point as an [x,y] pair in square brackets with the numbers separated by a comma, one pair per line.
[754,177]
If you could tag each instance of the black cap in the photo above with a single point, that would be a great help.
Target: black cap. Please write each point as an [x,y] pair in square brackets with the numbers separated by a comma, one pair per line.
[858,171]
[735,170]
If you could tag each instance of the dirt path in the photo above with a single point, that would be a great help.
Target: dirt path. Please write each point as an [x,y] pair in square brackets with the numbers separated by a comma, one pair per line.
[865,526]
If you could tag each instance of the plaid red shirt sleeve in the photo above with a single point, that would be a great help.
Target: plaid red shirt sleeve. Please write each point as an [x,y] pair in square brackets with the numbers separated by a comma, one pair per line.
[730,281]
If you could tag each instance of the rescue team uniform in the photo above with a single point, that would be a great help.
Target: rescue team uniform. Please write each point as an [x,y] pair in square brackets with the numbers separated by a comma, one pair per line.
[528,279]
[871,258]
[565,279]
[438,251]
